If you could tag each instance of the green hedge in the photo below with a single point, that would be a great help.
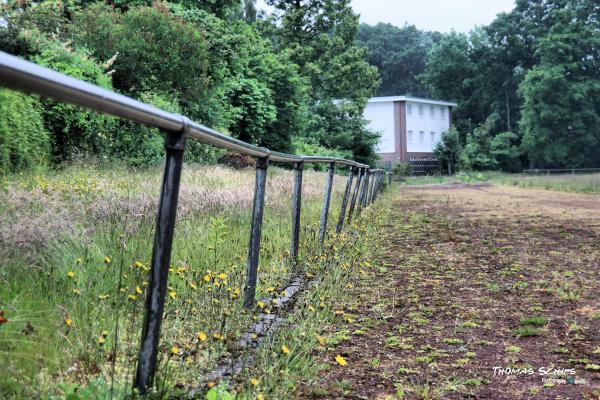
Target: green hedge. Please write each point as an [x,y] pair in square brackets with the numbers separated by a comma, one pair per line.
[23,140]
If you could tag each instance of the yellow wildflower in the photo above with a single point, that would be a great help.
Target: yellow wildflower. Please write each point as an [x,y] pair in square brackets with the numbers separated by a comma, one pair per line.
[104,333]
[321,340]
[103,296]
[138,264]
[311,308]
[101,340]
[202,336]
[71,274]
[193,285]
[174,350]
[106,260]
[284,349]
[68,321]
[172,294]
[260,397]
[77,292]
[222,276]
[131,297]
[261,305]
[206,278]
[254,381]
[341,360]
[138,290]
[211,384]
[275,302]
[78,260]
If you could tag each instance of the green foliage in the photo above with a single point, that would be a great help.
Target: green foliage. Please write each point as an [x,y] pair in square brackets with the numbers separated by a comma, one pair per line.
[304,147]
[448,149]
[399,55]
[402,169]
[23,140]
[76,132]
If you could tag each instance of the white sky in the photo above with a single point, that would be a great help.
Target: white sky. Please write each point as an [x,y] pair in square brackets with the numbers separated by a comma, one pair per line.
[429,15]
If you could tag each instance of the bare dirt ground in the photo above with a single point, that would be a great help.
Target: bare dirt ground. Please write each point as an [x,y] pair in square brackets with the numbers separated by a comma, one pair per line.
[472,281]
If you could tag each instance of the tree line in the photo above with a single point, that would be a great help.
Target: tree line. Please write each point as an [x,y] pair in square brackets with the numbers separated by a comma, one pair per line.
[271,80]
[527,85]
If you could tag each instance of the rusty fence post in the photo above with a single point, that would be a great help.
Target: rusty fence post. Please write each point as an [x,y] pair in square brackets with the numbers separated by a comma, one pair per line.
[342,215]
[296,207]
[359,172]
[326,200]
[161,257]
[255,231]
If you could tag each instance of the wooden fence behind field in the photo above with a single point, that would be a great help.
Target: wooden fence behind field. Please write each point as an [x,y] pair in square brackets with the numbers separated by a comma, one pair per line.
[24,76]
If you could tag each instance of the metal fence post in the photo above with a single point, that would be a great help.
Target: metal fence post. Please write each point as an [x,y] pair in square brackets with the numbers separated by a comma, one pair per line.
[390,179]
[370,187]
[161,257]
[359,172]
[255,231]
[362,203]
[375,191]
[296,207]
[326,199]
[340,223]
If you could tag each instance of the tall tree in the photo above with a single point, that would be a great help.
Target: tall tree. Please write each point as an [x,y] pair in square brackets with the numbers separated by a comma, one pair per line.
[399,54]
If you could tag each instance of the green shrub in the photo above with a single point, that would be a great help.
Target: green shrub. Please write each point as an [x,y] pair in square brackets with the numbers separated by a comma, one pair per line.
[77,132]
[23,140]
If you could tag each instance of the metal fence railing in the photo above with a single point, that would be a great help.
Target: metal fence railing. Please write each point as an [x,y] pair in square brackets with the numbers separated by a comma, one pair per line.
[571,171]
[18,74]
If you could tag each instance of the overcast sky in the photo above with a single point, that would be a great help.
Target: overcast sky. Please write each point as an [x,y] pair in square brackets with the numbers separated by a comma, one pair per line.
[429,15]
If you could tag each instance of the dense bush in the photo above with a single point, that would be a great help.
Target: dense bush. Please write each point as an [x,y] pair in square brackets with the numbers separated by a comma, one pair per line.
[76,132]
[23,140]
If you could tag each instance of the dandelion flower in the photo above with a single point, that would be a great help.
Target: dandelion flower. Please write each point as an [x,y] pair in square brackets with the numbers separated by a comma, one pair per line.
[311,308]
[174,350]
[131,297]
[202,336]
[206,278]
[341,360]
[270,290]
[103,296]
[78,260]
[68,322]
[172,294]
[284,349]
[261,305]
[322,304]
[138,290]
[104,333]
[260,397]
[77,292]
[193,285]
[71,274]
[321,340]
[254,381]
[101,340]
[106,260]
[138,264]
[222,276]
[275,302]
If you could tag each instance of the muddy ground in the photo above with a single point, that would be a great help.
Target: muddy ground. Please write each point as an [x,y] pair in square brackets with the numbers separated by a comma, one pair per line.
[473,281]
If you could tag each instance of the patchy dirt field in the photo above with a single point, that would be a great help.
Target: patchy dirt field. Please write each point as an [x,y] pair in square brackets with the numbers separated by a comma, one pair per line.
[472,281]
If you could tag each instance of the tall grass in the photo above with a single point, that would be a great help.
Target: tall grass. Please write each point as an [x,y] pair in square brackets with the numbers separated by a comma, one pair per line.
[76,245]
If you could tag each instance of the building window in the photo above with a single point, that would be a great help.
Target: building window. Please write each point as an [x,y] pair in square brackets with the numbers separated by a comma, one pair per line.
[442,112]
[408,109]
[421,137]
[420,110]
[432,137]
[431,111]
[410,137]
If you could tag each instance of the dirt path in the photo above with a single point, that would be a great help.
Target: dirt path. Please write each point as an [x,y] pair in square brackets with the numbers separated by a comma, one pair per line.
[473,281]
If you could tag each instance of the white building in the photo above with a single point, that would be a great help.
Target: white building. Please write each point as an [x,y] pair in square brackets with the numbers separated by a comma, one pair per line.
[410,127]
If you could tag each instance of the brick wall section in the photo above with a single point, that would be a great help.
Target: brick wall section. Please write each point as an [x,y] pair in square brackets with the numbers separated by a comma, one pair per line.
[400,130]
[419,155]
